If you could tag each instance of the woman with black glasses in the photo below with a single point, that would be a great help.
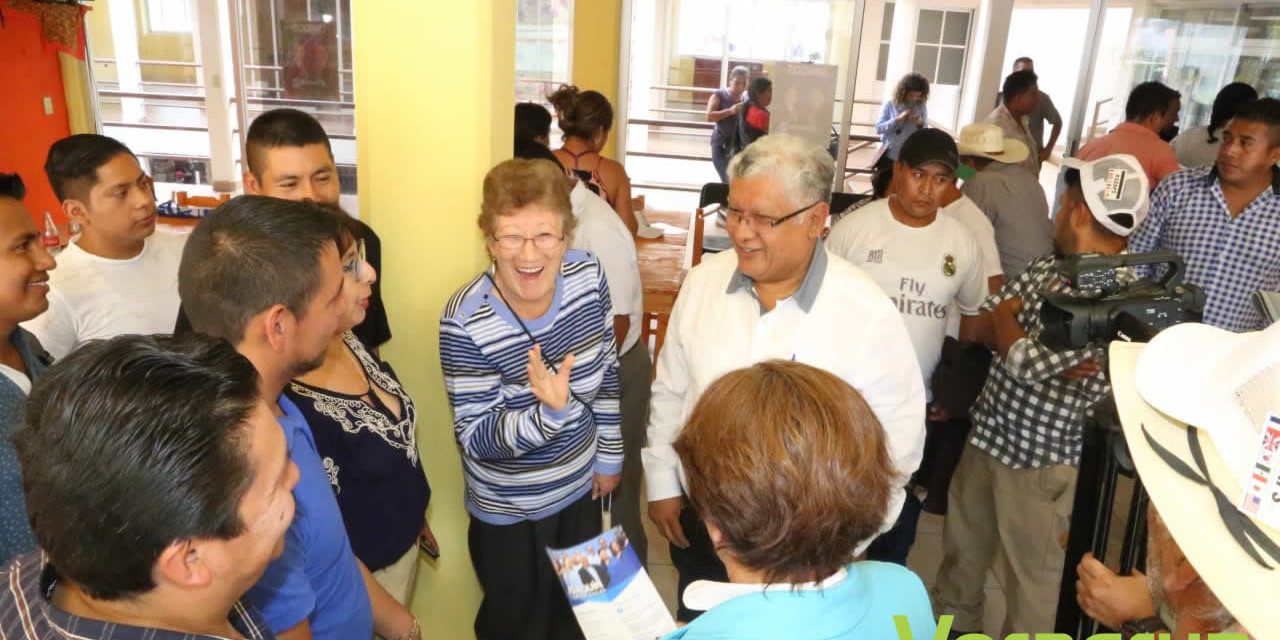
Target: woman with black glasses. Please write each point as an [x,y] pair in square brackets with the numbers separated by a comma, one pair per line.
[363,422]
[531,370]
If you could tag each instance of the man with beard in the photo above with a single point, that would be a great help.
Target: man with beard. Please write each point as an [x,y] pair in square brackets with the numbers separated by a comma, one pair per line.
[1013,488]
[1150,112]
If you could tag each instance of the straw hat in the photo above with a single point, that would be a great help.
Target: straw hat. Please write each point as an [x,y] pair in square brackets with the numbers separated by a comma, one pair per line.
[987,140]
[1200,408]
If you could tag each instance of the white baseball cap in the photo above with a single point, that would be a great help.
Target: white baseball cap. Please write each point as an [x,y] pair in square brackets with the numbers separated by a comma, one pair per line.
[1115,189]
[1200,407]
[987,140]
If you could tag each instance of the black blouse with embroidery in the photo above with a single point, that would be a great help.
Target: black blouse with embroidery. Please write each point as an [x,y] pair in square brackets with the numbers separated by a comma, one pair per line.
[372,460]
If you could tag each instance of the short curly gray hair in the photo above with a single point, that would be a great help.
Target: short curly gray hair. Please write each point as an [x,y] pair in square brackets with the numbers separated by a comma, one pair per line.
[804,169]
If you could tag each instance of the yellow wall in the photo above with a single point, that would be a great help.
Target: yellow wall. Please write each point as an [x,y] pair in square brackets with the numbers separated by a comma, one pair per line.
[597,35]
[434,84]
[75,84]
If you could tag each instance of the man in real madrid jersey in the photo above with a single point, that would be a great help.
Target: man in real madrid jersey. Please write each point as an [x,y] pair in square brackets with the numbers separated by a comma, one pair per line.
[929,265]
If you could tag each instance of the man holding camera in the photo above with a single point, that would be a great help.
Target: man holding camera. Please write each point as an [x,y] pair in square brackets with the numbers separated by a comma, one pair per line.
[1014,486]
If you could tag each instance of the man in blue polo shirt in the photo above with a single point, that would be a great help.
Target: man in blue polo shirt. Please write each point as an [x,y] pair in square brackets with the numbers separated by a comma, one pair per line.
[265,275]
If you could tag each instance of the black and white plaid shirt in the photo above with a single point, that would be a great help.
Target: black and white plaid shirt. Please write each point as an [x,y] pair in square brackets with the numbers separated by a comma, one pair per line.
[27,612]
[1028,415]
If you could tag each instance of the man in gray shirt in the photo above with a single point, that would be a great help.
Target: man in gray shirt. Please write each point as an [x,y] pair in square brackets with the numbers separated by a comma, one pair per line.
[1043,112]
[1009,195]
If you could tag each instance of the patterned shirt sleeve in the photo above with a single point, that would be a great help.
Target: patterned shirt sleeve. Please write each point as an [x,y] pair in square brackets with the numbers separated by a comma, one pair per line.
[1148,234]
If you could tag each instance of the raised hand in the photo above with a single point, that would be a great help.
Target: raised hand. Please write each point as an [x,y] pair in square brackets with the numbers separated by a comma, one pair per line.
[551,390]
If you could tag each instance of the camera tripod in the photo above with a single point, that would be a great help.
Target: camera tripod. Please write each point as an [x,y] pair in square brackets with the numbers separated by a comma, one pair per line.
[1103,457]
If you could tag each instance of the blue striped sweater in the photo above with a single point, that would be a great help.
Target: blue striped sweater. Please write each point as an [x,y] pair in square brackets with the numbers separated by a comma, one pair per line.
[523,460]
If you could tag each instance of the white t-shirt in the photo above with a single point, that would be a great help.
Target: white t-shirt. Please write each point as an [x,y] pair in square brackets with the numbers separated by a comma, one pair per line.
[91,297]
[973,219]
[603,233]
[17,377]
[1194,149]
[923,270]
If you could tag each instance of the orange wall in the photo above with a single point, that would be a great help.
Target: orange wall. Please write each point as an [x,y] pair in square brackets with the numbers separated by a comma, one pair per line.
[28,73]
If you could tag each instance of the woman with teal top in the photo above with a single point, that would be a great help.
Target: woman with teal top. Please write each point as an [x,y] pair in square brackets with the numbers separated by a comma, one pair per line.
[788,467]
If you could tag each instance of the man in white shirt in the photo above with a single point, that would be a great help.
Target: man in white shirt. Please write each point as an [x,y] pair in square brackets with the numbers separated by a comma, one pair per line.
[601,232]
[778,294]
[120,276]
[959,206]
[928,264]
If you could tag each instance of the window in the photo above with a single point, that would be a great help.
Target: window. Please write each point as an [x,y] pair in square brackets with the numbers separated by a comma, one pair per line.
[169,16]
[754,29]
[942,38]
[294,53]
[886,30]
[544,44]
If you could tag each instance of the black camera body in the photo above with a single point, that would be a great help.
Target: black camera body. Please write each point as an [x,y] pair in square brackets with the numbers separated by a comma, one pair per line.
[1104,307]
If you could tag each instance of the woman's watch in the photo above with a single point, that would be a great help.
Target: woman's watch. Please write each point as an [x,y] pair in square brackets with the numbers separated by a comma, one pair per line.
[1145,625]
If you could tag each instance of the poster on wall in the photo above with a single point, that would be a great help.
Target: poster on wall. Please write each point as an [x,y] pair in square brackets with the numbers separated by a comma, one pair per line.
[804,96]
[311,60]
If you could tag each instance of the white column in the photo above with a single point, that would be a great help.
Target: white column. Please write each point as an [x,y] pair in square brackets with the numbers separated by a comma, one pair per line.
[213,35]
[124,38]
[902,42]
[986,51]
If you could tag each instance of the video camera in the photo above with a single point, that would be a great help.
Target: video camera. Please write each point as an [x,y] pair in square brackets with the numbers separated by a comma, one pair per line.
[1106,306]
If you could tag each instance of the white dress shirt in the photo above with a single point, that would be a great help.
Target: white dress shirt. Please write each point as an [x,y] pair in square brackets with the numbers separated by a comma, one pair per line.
[839,320]
[602,232]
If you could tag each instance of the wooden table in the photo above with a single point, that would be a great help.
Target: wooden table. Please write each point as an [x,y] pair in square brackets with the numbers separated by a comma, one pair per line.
[664,261]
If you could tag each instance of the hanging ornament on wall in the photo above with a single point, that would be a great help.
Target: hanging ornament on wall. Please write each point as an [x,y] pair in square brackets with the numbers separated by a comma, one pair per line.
[61,22]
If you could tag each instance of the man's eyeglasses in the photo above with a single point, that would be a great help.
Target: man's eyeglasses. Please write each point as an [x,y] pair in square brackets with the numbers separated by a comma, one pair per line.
[759,223]
[355,267]
[543,241]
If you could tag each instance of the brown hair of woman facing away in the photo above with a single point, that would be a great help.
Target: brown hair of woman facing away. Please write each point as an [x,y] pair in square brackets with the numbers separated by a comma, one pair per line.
[519,183]
[581,113]
[791,465]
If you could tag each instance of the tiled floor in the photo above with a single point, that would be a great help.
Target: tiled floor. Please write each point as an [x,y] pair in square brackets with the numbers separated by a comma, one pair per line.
[926,556]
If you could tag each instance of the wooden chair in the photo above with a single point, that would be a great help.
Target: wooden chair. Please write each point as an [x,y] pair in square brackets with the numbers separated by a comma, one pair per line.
[695,248]
[205,202]
[637,203]
[654,325]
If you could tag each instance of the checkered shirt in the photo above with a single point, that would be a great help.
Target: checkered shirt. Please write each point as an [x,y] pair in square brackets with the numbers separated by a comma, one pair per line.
[27,612]
[1229,258]
[1028,415]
